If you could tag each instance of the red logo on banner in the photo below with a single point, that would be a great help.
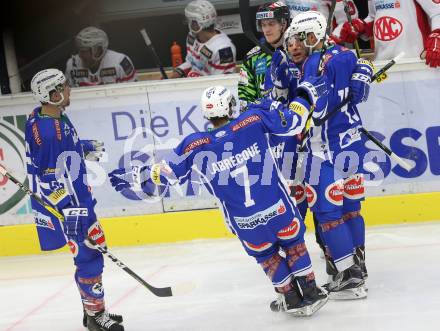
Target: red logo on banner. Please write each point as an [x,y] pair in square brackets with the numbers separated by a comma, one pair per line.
[387,28]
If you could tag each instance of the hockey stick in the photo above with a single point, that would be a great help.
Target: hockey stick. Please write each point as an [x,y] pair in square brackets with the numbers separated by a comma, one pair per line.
[153,52]
[347,13]
[327,35]
[244,8]
[160,292]
[387,150]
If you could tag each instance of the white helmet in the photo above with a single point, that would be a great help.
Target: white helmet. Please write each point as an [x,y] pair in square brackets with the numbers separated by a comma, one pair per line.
[46,81]
[93,38]
[201,11]
[305,23]
[217,101]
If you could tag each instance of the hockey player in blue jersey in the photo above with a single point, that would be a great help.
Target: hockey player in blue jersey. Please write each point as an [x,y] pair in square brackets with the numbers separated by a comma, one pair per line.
[334,171]
[56,168]
[236,164]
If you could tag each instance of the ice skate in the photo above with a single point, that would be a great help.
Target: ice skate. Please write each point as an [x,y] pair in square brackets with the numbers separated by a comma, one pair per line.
[114,317]
[347,285]
[102,322]
[303,300]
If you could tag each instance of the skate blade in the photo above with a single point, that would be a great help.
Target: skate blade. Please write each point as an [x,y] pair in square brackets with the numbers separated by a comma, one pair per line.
[308,310]
[350,294]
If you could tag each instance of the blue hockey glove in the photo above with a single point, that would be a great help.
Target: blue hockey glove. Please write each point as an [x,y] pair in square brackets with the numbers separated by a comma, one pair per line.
[137,178]
[279,70]
[93,149]
[76,223]
[313,88]
[360,81]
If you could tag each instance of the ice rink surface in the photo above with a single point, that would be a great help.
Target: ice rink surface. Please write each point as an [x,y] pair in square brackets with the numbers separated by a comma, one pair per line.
[227,290]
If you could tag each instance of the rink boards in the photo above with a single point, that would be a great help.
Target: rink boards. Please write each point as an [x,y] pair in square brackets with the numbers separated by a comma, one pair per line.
[142,120]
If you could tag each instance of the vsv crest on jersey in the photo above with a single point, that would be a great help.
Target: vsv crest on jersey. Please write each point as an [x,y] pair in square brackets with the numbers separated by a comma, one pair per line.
[43,221]
[262,217]
[348,137]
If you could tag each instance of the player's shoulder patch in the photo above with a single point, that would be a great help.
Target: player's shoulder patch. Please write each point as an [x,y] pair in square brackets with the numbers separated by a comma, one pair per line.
[248,120]
[254,51]
[196,142]
[57,126]
[206,52]
[190,39]
[226,55]
[110,71]
[127,66]
[36,134]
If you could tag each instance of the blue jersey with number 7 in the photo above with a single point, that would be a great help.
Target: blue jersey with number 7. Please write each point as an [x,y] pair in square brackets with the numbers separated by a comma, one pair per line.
[236,164]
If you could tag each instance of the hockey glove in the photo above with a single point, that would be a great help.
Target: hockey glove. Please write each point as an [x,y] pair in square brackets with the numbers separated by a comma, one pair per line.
[362,27]
[433,49]
[348,34]
[360,81]
[76,222]
[312,89]
[137,178]
[279,70]
[92,149]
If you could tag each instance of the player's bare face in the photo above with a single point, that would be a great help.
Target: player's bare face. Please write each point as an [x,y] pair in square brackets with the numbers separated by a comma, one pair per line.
[194,27]
[62,92]
[297,50]
[272,30]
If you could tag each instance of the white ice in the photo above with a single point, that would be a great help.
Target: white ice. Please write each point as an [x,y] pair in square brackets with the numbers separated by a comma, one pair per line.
[227,290]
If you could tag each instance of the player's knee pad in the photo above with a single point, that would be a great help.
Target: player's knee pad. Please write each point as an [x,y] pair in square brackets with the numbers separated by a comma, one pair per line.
[92,293]
[276,268]
[298,259]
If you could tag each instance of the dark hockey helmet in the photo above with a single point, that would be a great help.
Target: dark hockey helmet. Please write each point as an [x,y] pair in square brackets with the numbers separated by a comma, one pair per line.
[273,10]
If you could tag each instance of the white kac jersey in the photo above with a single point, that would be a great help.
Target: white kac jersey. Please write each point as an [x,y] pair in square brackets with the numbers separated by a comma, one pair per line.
[216,56]
[400,26]
[114,68]
[323,6]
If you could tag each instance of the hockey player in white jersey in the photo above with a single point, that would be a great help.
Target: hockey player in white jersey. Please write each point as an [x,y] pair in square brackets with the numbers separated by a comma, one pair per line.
[95,64]
[341,28]
[208,51]
[410,26]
